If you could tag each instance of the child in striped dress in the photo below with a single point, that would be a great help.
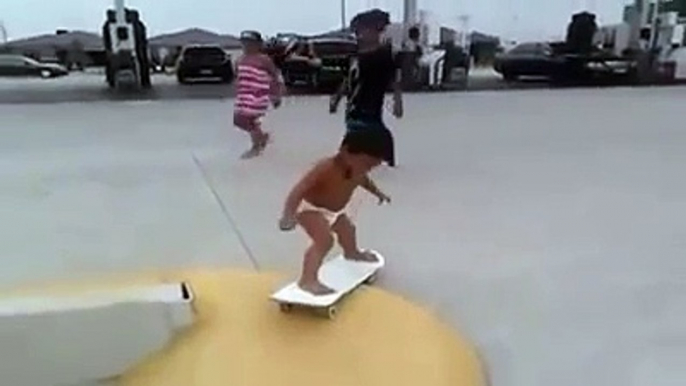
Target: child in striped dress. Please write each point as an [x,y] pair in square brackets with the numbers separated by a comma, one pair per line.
[258,84]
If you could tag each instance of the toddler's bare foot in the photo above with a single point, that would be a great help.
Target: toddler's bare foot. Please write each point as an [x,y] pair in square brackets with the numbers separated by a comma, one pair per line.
[251,153]
[365,256]
[264,140]
[315,288]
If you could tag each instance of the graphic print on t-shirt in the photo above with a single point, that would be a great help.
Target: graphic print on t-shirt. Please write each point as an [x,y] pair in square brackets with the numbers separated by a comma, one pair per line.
[353,85]
[369,76]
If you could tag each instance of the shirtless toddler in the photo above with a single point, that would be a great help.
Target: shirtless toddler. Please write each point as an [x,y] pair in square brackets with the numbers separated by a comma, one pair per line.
[319,200]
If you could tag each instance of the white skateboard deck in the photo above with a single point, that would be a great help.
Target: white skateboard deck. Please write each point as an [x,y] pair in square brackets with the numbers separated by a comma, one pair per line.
[339,274]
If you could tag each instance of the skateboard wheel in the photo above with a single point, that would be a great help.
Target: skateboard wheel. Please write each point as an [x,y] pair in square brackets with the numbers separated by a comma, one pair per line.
[331,312]
[371,279]
[286,307]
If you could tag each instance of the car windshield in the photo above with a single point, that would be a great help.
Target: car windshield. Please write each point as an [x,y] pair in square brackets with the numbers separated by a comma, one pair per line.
[11,60]
[529,48]
[334,47]
[203,51]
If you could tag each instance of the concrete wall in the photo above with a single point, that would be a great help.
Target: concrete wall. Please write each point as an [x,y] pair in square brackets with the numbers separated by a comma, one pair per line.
[68,340]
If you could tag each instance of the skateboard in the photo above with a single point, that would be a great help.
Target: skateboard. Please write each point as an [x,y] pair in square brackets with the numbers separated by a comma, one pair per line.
[338,273]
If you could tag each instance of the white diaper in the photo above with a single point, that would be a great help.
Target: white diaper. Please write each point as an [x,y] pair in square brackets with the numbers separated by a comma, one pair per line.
[330,216]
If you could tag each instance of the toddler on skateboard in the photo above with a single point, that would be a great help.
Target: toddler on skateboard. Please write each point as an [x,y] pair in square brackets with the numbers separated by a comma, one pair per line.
[318,203]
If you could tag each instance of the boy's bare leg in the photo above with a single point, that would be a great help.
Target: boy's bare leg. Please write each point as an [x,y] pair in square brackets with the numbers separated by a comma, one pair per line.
[347,239]
[322,241]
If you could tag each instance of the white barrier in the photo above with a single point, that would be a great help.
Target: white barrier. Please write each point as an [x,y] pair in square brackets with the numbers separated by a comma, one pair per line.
[81,339]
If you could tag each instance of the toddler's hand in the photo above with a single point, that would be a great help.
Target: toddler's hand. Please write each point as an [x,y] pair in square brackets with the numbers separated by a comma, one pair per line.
[287,223]
[383,199]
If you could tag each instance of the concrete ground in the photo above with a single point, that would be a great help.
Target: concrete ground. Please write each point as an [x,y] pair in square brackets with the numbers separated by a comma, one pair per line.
[546,225]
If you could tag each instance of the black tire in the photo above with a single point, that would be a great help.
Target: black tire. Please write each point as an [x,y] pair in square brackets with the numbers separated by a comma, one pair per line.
[509,77]
[146,78]
[181,79]
[315,84]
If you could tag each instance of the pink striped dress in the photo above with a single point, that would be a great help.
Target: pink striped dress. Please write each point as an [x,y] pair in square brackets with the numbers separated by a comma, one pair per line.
[254,86]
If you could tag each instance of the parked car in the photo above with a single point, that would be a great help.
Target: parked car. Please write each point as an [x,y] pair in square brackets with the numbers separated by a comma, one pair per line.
[529,59]
[330,58]
[204,62]
[17,65]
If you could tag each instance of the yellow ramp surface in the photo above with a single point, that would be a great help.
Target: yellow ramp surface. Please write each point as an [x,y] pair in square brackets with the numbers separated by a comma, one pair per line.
[242,339]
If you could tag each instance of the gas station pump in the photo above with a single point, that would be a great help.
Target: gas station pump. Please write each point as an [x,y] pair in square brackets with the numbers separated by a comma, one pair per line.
[126,46]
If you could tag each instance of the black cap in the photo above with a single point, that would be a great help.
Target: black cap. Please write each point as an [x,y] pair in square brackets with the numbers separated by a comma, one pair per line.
[373,143]
[252,36]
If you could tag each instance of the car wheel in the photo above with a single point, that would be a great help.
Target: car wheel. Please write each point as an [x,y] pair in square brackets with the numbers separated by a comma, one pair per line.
[315,83]
[45,74]
[181,79]
[510,77]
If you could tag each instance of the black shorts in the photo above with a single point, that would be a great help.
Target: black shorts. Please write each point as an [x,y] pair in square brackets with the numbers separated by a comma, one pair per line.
[357,124]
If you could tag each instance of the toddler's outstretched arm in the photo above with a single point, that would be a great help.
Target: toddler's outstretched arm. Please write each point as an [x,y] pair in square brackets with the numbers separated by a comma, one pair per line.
[369,185]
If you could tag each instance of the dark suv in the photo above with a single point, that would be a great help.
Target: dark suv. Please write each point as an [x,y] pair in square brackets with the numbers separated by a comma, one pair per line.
[204,62]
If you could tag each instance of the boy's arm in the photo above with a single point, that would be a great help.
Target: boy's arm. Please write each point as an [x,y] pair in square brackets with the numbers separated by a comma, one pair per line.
[338,95]
[398,110]
[398,95]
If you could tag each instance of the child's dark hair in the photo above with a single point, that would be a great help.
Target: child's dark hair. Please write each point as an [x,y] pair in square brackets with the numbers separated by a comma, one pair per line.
[374,18]
[414,33]
[367,142]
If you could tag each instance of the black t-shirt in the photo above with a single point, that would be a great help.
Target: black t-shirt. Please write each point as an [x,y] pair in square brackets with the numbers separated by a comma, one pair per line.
[370,75]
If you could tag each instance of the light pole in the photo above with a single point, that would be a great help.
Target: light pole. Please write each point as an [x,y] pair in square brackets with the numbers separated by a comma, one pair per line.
[343,11]
[655,25]
[464,30]
[3,33]
[409,13]
[120,10]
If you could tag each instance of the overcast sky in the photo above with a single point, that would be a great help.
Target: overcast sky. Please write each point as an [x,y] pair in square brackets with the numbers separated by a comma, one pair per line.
[521,19]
